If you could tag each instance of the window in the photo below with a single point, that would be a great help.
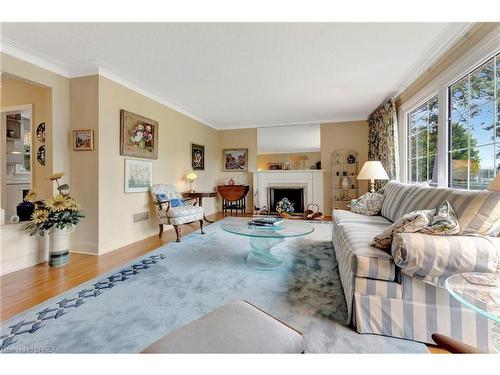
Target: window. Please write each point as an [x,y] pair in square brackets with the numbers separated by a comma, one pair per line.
[474,127]
[422,142]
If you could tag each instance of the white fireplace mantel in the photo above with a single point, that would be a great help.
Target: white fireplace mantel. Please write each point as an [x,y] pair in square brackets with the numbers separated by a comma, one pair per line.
[310,179]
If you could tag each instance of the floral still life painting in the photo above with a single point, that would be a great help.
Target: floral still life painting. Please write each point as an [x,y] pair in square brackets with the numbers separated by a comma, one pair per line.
[235,160]
[138,136]
[138,175]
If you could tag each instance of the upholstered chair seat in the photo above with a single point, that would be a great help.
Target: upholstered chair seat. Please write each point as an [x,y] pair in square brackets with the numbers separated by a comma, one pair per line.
[168,214]
[185,214]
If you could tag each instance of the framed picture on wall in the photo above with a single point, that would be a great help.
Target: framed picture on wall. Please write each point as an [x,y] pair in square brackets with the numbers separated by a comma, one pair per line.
[138,175]
[138,136]
[83,140]
[275,166]
[197,157]
[235,160]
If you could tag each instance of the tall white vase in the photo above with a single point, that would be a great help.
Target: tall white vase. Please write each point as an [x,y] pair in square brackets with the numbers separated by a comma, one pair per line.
[58,247]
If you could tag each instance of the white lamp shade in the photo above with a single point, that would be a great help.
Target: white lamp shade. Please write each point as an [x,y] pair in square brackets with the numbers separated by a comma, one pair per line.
[495,184]
[373,170]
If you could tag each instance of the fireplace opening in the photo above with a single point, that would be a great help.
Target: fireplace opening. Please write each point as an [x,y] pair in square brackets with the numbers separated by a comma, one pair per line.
[294,195]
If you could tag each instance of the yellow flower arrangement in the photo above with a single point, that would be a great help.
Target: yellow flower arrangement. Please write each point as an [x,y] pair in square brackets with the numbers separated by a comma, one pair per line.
[60,211]
[55,176]
[72,205]
[57,203]
[40,216]
[31,196]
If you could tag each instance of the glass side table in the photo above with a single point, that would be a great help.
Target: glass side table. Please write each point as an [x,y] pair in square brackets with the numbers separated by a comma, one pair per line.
[484,299]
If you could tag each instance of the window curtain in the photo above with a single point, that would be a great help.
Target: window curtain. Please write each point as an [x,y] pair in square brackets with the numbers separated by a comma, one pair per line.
[383,139]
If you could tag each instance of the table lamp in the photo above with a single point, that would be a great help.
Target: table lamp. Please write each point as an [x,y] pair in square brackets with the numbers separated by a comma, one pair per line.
[372,170]
[191,176]
[495,184]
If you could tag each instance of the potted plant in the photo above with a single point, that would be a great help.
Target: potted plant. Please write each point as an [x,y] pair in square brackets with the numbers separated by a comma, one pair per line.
[285,208]
[57,216]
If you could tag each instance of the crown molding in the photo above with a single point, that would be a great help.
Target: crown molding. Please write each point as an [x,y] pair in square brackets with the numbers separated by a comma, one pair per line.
[86,68]
[312,122]
[448,37]
[32,56]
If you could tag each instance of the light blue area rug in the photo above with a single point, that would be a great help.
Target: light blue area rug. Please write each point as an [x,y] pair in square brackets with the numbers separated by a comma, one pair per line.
[127,309]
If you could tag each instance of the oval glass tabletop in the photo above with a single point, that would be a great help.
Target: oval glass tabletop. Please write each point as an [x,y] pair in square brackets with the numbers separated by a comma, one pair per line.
[468,289]
[288,228]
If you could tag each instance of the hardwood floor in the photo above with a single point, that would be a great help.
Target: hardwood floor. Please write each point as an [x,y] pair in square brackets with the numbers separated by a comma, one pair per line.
[26,288]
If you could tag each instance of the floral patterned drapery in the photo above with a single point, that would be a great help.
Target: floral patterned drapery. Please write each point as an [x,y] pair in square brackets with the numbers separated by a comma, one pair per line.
[383,138]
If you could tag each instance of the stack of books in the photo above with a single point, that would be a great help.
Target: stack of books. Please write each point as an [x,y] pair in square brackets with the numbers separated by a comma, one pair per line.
[269,222]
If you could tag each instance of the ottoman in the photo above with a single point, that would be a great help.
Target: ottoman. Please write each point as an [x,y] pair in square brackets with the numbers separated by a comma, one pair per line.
[238,327]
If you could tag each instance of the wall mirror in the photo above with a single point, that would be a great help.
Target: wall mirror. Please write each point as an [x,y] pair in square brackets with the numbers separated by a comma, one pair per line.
[289,147]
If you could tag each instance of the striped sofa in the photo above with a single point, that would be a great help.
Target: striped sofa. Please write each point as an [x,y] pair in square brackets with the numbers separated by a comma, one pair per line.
[401,293]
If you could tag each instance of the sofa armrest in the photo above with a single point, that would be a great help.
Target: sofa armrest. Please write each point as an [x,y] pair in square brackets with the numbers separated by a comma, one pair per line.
[434,258]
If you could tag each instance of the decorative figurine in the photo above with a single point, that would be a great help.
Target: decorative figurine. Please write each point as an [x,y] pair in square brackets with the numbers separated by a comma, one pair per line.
[351,159]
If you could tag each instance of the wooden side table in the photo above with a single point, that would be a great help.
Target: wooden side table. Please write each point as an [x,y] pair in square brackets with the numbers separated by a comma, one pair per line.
[233,197]
[199,195]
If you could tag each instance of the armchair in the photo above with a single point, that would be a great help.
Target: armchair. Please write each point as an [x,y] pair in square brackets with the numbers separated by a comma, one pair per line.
[178,215]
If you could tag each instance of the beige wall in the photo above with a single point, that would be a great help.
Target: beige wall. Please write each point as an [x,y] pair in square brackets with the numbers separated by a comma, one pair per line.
[239,138]
[264,159]
[342,135]
[176,132]
[15,92]
[59,87]
[84,114]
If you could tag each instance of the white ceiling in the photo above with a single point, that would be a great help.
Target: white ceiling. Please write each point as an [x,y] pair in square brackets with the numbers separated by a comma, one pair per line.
[235,75]
[287,139]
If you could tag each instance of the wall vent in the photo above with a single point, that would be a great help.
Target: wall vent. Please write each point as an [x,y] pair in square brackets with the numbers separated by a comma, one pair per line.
[140,216]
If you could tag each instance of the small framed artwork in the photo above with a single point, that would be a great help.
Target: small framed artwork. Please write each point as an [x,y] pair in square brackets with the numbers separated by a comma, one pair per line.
[138,175]
[275,166]
[138,136]
[235,160]
[40,132]
[40,155]
[83,140]
[197,157]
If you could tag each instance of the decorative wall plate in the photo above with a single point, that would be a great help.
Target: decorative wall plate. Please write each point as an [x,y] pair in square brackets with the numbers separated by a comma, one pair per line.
[40,132]
[40,155]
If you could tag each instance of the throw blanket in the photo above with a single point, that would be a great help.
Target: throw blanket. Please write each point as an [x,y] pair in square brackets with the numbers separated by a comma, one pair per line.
[434,258]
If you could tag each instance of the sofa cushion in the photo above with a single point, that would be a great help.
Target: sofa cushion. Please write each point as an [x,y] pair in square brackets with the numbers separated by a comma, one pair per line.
[395,194]
[478,212]
[355,237]
[343,216]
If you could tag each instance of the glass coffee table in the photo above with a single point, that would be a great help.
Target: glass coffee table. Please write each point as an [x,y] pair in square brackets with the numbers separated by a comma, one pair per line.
[263,239]
[484,299]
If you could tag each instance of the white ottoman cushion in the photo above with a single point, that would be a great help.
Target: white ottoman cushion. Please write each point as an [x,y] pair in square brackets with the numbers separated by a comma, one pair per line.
[237,327]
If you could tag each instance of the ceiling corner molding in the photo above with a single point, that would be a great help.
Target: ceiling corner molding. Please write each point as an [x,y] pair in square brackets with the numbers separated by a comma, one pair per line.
[446,40]
[86,68]
[32,56]
[82,68]
[111,74]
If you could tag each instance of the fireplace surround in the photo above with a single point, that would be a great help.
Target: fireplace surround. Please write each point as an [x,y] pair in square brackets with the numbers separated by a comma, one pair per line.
[311,181]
